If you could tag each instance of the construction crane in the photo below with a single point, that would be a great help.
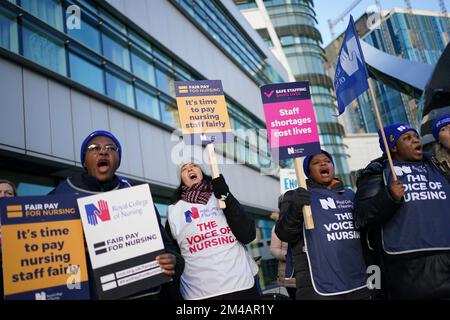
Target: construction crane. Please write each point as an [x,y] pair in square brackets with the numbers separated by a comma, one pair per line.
[333,23]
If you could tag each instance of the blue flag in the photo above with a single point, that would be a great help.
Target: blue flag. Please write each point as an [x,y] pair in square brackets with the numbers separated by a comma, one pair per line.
[351,75]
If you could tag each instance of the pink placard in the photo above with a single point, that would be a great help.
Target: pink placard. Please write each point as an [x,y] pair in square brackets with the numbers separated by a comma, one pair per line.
[291,123]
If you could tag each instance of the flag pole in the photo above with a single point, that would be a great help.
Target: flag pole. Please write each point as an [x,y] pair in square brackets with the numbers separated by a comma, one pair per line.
[383,136]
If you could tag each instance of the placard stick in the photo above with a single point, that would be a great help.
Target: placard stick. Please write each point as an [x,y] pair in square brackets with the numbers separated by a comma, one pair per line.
[214,168]
[307,214]
[380,124]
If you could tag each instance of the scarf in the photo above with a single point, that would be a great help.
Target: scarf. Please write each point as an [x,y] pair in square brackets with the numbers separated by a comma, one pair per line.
[198,193]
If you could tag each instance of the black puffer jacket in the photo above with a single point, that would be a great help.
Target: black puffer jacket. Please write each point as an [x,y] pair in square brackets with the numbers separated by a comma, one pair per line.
[290,229]
[419,275]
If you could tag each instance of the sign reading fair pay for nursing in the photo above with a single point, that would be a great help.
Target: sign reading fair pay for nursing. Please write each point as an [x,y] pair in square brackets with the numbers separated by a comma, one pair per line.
[123,239]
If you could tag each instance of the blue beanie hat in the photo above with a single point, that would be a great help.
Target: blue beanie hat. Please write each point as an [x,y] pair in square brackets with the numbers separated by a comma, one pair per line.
[439,123]
[97,133]
[309,158]
[393,132]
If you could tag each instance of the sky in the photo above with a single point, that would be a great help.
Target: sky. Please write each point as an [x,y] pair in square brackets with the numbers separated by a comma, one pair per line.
[331,9]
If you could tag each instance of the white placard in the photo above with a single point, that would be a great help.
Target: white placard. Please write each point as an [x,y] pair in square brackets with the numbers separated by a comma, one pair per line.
[120,225]
[288,180]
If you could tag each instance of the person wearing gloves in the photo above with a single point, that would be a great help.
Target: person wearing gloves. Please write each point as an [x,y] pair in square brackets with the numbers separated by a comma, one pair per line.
[407,220]
[328,259]
[211,240]
[101,154]
[441,133]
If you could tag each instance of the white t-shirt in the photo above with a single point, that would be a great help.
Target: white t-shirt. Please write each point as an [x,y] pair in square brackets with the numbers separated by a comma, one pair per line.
[215,262]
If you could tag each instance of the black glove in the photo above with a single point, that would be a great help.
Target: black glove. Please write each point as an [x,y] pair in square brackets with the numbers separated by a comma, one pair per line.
[220,187]
[296,199]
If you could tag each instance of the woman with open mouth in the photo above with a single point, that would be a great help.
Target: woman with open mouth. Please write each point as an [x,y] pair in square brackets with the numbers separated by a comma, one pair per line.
[211,240]
[328,260]
[407,218]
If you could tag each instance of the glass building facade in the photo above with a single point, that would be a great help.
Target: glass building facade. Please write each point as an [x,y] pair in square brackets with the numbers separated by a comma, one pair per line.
[109,57]
[295,24]
[114,60]
[419,36]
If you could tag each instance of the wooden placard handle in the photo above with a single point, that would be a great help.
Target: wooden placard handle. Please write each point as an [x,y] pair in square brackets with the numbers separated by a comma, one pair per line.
[307,214]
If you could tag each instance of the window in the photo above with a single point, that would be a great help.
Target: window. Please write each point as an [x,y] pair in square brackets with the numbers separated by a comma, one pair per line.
[41,48]
[139,40]
[119,89]
[49,11]
[8,31]
[169,114]
[86,73]
[87,35]
[165,82]
[116,51]
[143,68]
[147,103]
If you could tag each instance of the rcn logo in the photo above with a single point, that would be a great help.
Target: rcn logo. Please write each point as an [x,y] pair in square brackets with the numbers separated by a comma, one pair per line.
[349,60]
[40,295]
[102,212]
[399,171]
[327,203]
[191,214]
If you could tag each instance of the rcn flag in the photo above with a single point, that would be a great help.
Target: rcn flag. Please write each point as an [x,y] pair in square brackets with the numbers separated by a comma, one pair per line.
[351,75]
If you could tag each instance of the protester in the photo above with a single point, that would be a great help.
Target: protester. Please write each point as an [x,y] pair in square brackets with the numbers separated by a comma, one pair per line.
[211,240]
[101,154]
[441,133]
[279,250]
[7,189]
[328,259]
[407,220]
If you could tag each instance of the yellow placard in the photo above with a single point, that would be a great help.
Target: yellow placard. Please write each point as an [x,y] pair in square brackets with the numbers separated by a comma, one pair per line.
[42,255]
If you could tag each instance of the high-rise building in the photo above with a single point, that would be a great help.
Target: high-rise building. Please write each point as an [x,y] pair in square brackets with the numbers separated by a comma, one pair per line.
[294,23]
[69,67]
[410,34]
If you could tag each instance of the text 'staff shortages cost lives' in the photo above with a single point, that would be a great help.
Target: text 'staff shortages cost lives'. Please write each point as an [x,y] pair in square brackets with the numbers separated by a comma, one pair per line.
[291,124]
[123,239]
[43,249]
[203,112]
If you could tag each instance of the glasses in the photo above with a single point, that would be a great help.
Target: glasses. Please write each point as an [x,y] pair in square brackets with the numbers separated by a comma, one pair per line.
[97,148]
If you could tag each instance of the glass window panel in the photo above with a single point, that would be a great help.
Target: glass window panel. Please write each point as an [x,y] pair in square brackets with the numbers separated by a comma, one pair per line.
[113,21]
[164,82]
[147,103]
[119,89]
[8,31]
[40,48]
[169,114]
[86,73]
[139,40]
[116,52]
[143,68]
[87,35]
[89,5]
[49,11]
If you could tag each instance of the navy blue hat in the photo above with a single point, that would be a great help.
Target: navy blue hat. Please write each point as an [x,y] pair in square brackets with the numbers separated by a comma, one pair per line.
[97,133]
[393,132]
[309,158]
[439,123]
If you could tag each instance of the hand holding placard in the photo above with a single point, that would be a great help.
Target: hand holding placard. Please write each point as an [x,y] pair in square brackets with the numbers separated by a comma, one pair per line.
[291,127]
